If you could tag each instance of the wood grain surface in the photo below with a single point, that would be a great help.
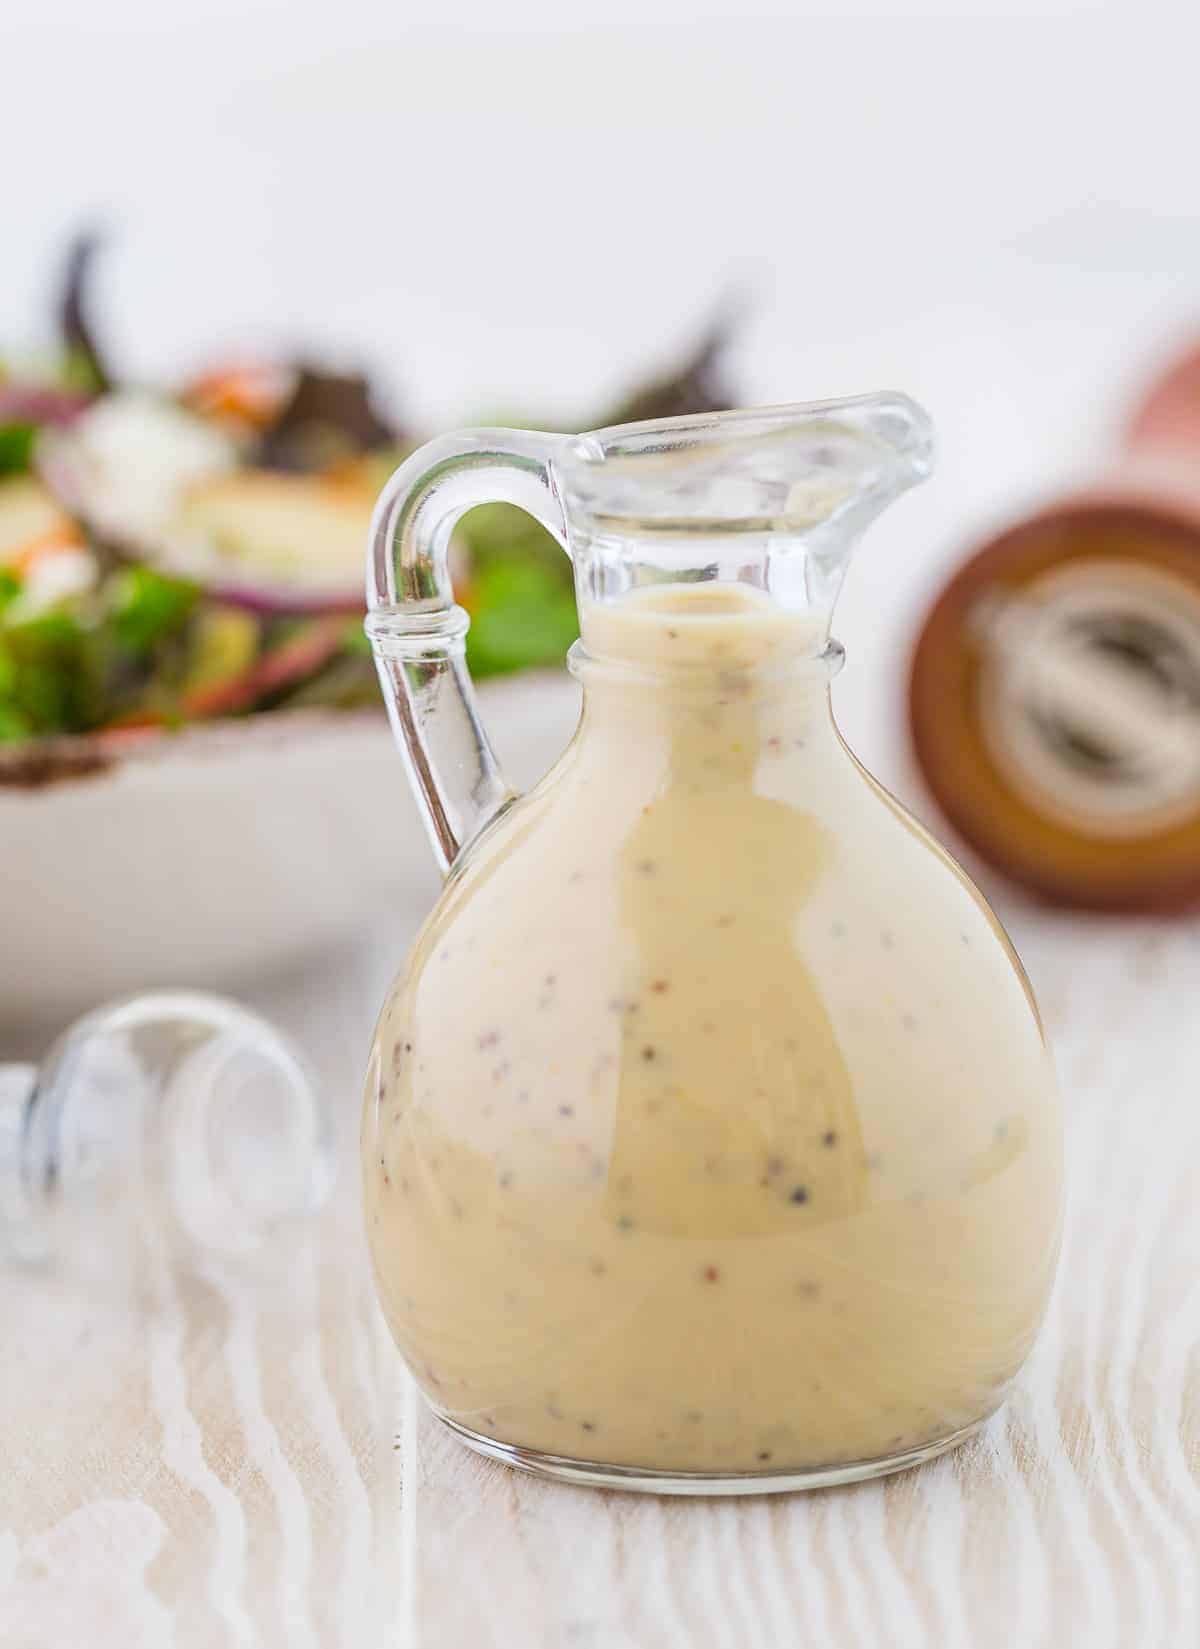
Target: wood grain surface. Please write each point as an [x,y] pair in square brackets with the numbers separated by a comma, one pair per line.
[202,1456]
[199,1452]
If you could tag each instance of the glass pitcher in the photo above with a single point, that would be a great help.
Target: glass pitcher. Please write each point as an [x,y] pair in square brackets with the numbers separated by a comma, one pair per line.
[711,1142]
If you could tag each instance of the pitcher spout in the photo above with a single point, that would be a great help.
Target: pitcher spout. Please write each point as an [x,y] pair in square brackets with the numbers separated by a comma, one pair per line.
[776,497]
[783,467]
[904,428]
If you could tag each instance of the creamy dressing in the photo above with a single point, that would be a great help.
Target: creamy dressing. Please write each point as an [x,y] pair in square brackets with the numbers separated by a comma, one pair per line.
[709,1126]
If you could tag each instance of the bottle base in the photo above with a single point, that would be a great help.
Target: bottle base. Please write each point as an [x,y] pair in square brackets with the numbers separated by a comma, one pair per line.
[643,1480]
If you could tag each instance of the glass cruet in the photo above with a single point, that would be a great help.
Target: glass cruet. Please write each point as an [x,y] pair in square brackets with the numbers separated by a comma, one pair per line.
[710,1138]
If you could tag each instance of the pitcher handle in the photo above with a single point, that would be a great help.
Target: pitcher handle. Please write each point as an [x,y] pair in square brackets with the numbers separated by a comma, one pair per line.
[417,630]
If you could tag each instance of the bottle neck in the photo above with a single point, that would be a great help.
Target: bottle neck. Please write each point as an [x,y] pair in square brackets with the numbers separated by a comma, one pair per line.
[705,730]
[702,629]
[703,683]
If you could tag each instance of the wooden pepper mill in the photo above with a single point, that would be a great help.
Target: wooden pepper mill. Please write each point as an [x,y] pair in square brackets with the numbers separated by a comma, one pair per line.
[1055,687]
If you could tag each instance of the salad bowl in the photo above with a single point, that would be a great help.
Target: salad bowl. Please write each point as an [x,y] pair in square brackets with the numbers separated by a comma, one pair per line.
[195,780]
[222,854]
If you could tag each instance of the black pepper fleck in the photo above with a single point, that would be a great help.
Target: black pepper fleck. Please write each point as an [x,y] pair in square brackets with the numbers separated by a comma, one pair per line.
[764,1454]
[648,1053]
[566,1110]
[800,1194]
[829,1138]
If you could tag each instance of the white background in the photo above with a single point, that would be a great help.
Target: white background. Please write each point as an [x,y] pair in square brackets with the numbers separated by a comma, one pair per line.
[513,208]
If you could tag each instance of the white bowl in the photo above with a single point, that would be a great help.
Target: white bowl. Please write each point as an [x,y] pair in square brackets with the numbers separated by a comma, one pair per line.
[226,852]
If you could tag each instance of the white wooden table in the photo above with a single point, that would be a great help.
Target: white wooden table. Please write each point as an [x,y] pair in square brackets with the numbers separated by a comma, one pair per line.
[223,1460]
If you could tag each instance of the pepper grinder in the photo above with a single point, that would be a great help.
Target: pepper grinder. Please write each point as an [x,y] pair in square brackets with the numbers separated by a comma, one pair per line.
[1054,696]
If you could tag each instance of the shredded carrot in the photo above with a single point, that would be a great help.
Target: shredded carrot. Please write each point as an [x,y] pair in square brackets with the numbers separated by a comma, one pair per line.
[53,542]
[250,394]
